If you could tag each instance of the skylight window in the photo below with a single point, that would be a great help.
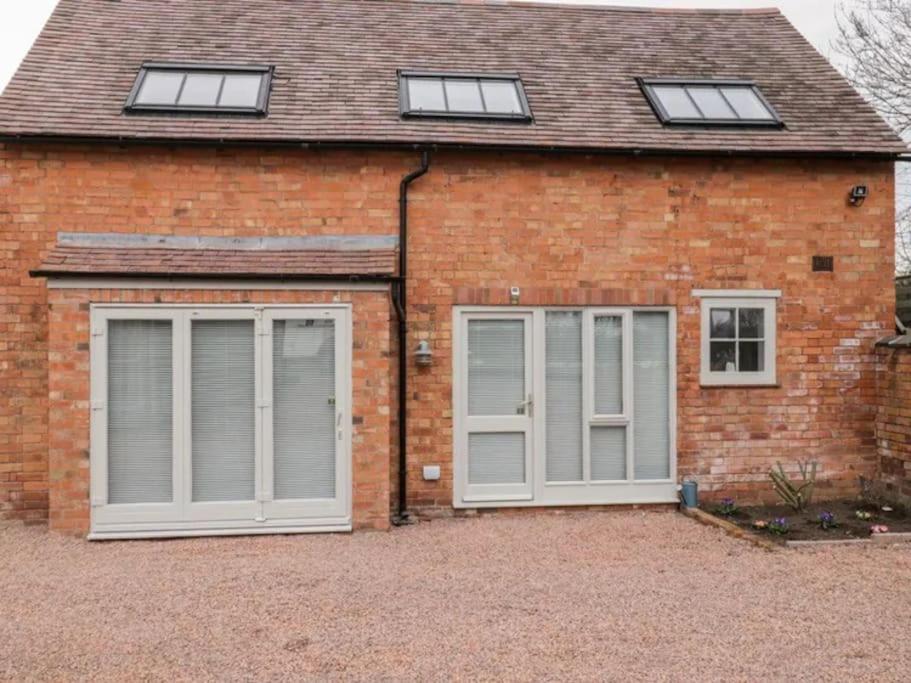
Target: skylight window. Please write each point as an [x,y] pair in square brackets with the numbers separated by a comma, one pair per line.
[199,88]
[463,96]
[709,102]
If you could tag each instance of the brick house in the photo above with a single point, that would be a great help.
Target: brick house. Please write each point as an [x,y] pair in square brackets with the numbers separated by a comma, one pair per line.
[256,255]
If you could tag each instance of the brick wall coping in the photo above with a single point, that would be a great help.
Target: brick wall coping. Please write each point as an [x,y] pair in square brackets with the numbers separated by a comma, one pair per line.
[300,243]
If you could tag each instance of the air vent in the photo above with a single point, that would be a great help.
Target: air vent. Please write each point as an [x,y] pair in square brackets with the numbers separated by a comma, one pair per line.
[823,264]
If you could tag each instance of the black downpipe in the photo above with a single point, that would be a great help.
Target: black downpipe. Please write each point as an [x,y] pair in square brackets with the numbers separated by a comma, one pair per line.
[399,301]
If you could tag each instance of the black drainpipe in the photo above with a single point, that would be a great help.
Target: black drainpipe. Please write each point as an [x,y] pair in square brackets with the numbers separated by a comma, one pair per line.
[399,301]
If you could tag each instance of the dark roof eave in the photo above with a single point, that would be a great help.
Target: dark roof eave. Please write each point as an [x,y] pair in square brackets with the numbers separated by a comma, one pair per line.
[50,138]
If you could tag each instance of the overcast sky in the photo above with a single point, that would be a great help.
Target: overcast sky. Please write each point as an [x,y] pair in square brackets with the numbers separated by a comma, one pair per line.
[21,21]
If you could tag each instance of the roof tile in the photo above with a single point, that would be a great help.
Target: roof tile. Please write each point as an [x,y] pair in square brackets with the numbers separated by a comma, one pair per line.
[336,62]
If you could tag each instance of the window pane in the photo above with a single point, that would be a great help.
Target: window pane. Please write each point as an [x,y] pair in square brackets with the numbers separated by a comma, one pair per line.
[676,102]
[464,96]
[711,102]
[608,365]
[426,94]
[501,97]
[223,410]
[746,103]
[303,413]
[751,323]
[722,357]
[651,403]
[200,90]
[159,87]
[563,351]
[608,445]
[751,356]
[721,323]
[140,412]
[496,458]
[241,90]
[496,366]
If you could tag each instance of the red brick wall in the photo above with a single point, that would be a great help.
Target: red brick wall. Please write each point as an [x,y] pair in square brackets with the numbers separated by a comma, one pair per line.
[575,230]
[566,229]
[68,353]
[893,421]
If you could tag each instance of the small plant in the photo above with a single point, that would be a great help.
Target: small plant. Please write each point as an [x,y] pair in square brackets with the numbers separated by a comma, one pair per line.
[727,508]
[760,524]
[779,526]
[827,521]
[795,494]
[863,515]
[879,529]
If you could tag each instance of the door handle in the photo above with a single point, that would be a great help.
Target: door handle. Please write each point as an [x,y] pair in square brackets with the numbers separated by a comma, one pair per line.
[526,407]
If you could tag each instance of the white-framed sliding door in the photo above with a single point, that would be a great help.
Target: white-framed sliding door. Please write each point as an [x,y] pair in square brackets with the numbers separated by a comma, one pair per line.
[222,456]
[603,425]
[220,419]
[306,361]
[495,402]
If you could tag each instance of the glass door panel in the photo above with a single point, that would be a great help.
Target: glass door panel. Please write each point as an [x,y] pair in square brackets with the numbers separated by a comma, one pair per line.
[498,404]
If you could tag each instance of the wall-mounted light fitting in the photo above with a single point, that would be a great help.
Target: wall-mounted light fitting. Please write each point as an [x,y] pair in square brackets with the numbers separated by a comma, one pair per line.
[423,355]
[514,295]
[858,195]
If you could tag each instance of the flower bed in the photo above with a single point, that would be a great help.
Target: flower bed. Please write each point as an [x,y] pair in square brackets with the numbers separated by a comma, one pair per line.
[831,520]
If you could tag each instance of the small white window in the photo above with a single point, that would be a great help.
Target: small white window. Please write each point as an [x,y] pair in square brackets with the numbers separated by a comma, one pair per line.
[738,337]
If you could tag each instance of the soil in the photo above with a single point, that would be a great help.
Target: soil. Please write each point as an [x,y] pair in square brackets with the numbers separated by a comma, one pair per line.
[804,526]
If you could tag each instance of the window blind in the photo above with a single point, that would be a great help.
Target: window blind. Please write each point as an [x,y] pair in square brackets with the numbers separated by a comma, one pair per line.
[651,398]
[563,358]
[223,410]
[496,458]
[303,412]
[608,365]
[140,403]
[496,366]
[608,447]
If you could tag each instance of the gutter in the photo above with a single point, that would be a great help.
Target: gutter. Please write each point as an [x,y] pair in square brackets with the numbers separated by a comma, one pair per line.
[400,302]
[454,146]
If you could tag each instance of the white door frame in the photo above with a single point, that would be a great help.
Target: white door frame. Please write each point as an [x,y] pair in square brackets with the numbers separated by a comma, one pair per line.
[303,508]
[628,491]
[182,517]
[476,424]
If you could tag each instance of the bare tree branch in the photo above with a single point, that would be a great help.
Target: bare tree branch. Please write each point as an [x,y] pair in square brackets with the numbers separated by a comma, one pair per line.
[875,38]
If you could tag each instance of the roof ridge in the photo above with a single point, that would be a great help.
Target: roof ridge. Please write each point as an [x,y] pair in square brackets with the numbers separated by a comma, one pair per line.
[546,4]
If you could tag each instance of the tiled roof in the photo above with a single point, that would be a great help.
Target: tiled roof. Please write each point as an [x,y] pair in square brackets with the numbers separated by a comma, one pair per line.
[159,256]
[336,62]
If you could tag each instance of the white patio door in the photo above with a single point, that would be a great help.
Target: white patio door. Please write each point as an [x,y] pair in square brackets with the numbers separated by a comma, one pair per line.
[498,407]
[564,406]
[305,361]
[220,419]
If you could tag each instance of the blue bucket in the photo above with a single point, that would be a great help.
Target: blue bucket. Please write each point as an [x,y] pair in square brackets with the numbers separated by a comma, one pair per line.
[689,492]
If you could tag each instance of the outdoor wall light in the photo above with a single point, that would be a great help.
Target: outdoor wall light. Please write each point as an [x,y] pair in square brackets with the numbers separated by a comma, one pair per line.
[423,355]
[858,195]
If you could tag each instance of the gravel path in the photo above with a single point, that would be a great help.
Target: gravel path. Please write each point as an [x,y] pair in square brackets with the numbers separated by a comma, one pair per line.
[581,596]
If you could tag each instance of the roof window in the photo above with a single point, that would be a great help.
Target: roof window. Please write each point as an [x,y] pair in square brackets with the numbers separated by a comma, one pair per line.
[201,88]
[463,96]
[709,102]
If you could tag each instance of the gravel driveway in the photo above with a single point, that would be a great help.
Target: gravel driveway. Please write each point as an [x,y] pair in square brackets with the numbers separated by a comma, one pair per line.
[579,596]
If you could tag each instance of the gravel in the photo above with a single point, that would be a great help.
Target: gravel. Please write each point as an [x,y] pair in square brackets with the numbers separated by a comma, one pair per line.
[581,596]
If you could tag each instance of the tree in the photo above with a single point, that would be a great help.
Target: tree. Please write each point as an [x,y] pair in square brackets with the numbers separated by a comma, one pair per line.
[875,40]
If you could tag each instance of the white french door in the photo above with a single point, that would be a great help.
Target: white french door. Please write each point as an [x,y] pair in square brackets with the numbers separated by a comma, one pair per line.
[585,395]
[219,419]
[498,407]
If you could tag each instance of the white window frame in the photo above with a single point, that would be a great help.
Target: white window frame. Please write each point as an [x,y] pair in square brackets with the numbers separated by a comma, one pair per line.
[765,299]
[586,492]
[182,516]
